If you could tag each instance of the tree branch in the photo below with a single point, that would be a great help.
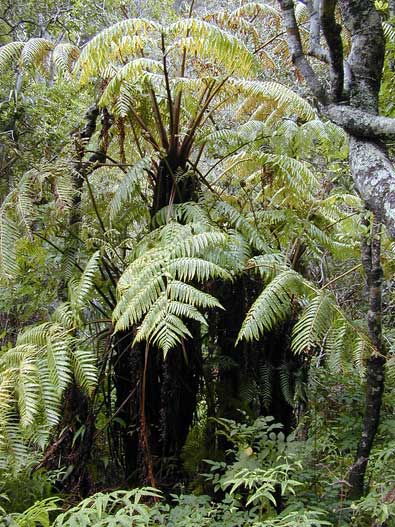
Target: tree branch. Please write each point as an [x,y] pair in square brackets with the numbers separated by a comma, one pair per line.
[359,123]
[298,57]
[332,33]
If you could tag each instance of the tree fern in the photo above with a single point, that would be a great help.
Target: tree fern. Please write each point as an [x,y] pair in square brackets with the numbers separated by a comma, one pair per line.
[272,306]
[154,289]
[79,290]
[313,324]
[10,53]
[35,52]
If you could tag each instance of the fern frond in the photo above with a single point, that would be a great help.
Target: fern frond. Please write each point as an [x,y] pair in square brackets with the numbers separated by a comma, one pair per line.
[123,39]
[154,289]
[208,40]
[80,290]
[10,53]
[313,325]
[240,222]
[35,52]
[131,72]
[272,306]
[288,99]
[257,9]
[9,235]
[84,368]
[127,187]
[64,56]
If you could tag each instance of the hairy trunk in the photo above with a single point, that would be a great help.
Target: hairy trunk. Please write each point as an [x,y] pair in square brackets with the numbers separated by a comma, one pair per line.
[161,393]
[73,446]
[174,184]
[258,378]
[77,428]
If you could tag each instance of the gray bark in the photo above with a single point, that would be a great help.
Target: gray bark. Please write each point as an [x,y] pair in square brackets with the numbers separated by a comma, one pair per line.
[370,166]
[375,367]
[360,123]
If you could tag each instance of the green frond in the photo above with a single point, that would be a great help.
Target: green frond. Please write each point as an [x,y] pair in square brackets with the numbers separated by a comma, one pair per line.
[257,9]
[328,136]
[84,368]
[240,222]
[296,175]
[10,53]
[154,289]
[265,382]
[35,52]
[131,72]
[36,335]
[195,244]
[64,187]
[80,290]
[272,306]
[268,265]
[27,389]
[190,268]
[64,56]
[313,324]
[22,198]
[188,294]
[58,361]
[128,187]
[291,102]
[234,22]
[322,238]
[9,235]
[64,315]
[334,345]
[286,384]
[50,396]
[209,41]
[124,39]
[361,350]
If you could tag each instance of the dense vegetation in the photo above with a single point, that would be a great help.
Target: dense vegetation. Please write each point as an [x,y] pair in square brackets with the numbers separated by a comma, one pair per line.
[196,264]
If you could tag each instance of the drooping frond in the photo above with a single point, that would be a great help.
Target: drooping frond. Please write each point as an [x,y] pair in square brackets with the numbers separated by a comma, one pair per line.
[128,186]
[155,290]
[81,289]
[131,72]
[313,324]
[272,306]
[9,236]
[241,223]
[294,174]
[122,40]
[84,367]
[257,9]
[64,56]
[35,52]
[208,40]
[10,53]
[259,91]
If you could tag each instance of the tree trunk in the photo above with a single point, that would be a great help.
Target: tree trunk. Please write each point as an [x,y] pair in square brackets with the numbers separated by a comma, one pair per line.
[375,368]
[161,394]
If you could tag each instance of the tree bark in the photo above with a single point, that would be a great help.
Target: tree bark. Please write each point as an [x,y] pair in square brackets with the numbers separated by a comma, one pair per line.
[375,368]
[370,166]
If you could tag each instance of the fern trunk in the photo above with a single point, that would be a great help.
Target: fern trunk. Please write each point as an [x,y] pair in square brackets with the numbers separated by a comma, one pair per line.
[257,377]
[173,184]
